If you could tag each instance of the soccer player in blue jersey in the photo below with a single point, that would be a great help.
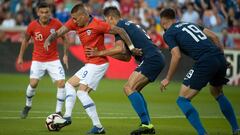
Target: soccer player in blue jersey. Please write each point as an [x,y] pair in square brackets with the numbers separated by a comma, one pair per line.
[203,46]
[151,64]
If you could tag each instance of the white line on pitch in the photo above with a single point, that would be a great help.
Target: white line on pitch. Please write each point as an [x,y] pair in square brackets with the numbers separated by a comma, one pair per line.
[160,117]
[44,112]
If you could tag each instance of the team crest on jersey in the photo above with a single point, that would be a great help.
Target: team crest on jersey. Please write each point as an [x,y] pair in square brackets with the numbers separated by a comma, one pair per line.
[89,32]
[52,30]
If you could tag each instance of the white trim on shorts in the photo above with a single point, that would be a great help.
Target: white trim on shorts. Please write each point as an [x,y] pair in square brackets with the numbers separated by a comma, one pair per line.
[54,69]
[91,74]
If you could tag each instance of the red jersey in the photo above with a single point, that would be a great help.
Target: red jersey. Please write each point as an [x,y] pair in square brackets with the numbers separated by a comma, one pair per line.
[92,36]
[39,34]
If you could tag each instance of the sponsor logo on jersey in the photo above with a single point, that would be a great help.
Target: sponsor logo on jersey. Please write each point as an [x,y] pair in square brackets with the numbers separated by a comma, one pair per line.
[89,32]
[52,31]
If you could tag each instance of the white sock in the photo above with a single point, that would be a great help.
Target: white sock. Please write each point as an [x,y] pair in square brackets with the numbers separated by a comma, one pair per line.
[90,107]
[70,99]
[30,92]
[60,99]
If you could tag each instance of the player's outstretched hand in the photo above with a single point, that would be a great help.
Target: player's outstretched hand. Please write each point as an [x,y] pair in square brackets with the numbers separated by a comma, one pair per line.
[137,52]
[46,44]
[164,84]
[90,52]
[65,60]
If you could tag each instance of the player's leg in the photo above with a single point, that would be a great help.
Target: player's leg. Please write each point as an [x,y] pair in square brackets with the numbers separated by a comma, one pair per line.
[56,72]
[90,76]
[61,95]
[69,102]
[195,80]
[132,89]
[216,86]
[36,72]
[30,92]
[135,81]
[225,107]
[184,103]
[146,72]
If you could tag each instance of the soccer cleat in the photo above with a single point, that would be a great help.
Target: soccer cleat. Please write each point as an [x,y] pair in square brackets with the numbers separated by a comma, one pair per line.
[62,122]
[96,130]
[25,111]
[237,132]
[144,129]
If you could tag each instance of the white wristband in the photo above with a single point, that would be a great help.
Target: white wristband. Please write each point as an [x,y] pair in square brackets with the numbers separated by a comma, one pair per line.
[131,47]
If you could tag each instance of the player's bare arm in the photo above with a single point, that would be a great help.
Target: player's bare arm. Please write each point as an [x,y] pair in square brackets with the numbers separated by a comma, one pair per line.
[24,45]
[123,34]
[65,50]
[175,59]
[119,52]
[213,37]
[60,32]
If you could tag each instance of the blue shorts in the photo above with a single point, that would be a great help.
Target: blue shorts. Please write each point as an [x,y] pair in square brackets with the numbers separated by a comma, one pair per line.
[212,70]
[151,67]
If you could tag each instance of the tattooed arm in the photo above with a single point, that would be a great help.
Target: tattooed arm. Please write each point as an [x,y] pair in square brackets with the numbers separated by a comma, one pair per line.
[65,50]
[24,45]
[60,32]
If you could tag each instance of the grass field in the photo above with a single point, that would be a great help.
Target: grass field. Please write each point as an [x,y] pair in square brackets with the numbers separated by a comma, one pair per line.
[114,109]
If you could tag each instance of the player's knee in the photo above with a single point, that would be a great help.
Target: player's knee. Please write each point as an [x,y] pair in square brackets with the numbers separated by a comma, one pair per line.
[60,83]
[216,91]
[33,83]
[127,89]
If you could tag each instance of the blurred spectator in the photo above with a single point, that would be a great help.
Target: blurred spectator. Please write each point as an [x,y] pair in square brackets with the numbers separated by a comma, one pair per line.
[26,12]
[9,21]
[227,40]
[126,7]
[153,3]
[156,37]
[109,3]
[209,19]
[96,7]
[218,12]
[62,14]
[190,15]
[19,20]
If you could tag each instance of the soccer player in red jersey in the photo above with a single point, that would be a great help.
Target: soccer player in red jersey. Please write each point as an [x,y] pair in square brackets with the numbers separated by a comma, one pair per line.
[91,33]
[43,60]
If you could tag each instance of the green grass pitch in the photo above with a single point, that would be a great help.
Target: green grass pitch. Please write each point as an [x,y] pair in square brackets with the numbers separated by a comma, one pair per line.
[113,107]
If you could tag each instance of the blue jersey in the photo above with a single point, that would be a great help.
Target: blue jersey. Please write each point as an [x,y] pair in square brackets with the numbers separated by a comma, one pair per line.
[139,38]
[191,40]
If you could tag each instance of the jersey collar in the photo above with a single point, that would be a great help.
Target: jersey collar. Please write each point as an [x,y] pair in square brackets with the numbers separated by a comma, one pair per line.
[49,20]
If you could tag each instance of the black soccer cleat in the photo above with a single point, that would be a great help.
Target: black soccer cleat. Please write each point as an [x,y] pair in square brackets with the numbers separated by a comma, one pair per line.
[25,111]
[144,129]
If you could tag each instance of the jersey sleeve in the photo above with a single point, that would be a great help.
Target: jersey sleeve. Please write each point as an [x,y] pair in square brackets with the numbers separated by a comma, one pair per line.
[29,29]
[170,40]
[103,27]
[70,25]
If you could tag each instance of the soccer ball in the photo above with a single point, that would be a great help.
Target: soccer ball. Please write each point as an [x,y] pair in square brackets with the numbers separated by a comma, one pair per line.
[49,122]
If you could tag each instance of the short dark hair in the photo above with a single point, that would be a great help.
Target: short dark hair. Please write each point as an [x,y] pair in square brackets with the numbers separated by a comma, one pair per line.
[43,4]
[112,11]
[168,13]
[78,7]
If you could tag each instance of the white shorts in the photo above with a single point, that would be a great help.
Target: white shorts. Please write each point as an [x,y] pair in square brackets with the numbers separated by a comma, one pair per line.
[91,74]
[54,69]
